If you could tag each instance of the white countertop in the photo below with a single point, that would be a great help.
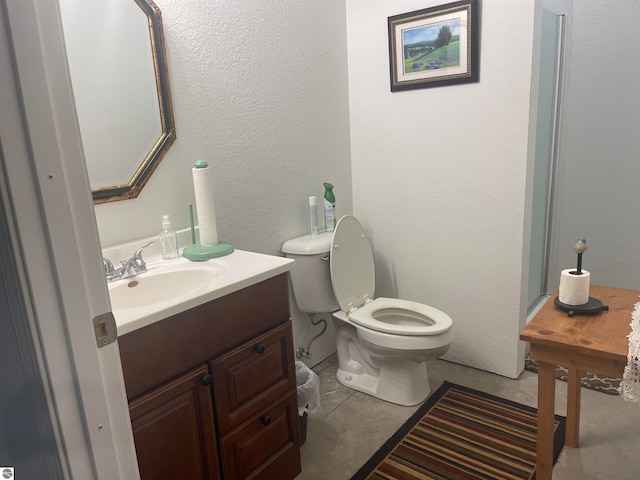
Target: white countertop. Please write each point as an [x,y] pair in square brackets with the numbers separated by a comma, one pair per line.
[232,272]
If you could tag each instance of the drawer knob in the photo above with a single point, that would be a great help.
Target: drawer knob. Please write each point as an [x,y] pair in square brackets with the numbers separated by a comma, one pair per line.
[261,347]
[266,420]
[206,380]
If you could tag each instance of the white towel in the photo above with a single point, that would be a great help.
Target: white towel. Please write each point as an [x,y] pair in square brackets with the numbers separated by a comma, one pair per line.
[630,384]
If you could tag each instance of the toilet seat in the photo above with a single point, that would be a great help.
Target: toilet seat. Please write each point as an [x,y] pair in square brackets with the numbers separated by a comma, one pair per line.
[353,279]
[412,318]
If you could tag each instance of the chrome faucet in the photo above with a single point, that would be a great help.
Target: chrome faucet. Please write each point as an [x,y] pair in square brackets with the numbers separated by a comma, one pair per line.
[129,268]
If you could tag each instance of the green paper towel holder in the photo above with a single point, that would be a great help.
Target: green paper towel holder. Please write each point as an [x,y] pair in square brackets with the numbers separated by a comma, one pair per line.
[201,253]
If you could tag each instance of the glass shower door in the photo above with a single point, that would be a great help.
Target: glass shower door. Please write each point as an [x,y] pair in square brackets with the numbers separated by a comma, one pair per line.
[551,50]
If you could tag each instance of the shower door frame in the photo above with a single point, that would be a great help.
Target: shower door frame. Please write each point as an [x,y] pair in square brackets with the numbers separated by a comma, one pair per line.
[544,291]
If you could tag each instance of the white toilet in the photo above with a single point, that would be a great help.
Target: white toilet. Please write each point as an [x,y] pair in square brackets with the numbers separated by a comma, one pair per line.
[383,344]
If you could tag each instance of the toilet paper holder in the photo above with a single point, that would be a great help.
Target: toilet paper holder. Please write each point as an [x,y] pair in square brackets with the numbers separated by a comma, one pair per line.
[592,307]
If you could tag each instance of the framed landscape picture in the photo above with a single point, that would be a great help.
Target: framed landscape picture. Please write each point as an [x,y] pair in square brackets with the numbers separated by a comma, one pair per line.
[435,46]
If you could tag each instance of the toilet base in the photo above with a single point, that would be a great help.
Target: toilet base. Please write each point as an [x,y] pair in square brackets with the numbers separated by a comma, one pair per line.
[402,381]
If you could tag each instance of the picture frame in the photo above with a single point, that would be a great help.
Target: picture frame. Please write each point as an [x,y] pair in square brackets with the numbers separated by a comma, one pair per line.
[435,46]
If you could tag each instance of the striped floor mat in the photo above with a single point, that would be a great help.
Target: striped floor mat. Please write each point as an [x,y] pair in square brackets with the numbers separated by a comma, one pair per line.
[460,433]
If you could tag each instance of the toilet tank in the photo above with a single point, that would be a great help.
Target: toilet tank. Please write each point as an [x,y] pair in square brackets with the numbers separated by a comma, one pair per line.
[311,277]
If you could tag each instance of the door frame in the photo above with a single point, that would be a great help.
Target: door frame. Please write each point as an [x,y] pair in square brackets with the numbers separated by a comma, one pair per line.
[54,229]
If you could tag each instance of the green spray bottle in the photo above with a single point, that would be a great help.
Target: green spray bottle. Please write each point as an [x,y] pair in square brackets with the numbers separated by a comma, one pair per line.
[329,208]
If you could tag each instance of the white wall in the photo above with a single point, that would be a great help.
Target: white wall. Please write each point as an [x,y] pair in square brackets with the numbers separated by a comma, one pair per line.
[439,178]
[599,158]
[439,175]
[260,92]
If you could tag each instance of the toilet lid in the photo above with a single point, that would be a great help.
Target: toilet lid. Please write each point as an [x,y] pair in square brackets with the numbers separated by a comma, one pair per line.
[351,262]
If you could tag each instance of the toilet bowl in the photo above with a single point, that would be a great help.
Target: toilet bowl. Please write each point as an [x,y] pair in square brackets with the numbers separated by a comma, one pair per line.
[383,344]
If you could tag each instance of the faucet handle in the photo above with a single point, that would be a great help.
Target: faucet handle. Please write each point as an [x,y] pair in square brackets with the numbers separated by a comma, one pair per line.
[140,264]
[108,266]
[138,254]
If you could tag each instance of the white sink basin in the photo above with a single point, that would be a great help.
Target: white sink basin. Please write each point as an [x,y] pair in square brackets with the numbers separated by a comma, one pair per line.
[162,286]
[172,287]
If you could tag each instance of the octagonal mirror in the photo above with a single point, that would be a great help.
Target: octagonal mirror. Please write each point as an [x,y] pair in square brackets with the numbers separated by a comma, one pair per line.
[118,67]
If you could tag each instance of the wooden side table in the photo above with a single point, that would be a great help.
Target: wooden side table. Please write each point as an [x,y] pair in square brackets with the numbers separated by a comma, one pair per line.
[595,343]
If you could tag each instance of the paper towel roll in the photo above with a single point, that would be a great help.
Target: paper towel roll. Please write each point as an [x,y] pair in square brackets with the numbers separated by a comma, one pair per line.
[574,289]
[205,208]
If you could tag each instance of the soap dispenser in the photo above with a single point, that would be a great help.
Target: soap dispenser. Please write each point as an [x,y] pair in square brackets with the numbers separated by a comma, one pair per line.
[168,240]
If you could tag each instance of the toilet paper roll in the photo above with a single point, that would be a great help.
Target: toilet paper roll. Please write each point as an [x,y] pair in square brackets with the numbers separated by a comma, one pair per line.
[574,289]
[205,208]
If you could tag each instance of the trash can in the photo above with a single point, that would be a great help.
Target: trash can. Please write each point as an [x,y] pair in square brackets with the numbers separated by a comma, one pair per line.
[308,387]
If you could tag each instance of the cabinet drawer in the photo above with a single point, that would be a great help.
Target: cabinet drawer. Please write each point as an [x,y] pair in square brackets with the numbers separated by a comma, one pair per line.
[252,376]
[266,446]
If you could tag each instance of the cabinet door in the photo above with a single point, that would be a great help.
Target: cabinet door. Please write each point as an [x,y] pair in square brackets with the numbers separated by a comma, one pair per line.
[252,376]
[265,447]
[174,430]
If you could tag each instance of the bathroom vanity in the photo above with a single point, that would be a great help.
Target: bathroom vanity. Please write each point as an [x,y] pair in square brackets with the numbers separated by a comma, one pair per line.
[212,389]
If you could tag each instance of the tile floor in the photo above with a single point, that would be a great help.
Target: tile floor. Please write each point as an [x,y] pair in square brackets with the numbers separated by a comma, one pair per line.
[350,426]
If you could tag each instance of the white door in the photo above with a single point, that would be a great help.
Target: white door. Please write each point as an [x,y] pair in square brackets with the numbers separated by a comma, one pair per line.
[52,224]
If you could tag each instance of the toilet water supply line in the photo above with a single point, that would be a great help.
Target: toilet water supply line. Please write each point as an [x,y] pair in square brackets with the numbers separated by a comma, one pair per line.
[301,351]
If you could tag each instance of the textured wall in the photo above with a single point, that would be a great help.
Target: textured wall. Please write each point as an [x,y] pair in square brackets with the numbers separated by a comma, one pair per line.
[260,92]
[599,158]
[439,178]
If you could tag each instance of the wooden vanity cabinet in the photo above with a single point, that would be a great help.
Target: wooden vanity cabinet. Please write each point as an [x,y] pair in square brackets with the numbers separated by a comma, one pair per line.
[212,391]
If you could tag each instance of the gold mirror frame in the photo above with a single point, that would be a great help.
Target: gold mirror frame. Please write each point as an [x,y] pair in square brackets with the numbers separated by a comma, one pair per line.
[167,137]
